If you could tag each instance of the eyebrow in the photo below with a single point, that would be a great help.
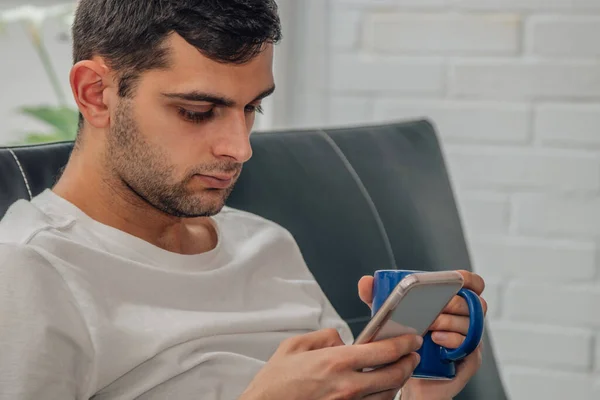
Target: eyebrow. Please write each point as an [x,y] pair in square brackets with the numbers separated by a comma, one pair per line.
[197,96]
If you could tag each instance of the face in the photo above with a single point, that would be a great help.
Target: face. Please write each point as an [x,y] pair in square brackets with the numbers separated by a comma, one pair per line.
[182,138]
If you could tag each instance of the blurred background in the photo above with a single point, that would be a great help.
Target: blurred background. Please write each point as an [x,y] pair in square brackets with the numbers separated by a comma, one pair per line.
[513,87]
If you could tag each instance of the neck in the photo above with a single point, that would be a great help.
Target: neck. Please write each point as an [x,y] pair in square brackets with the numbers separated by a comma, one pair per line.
[106,199]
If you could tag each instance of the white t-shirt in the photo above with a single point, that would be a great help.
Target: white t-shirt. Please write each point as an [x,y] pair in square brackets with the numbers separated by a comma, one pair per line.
[87,310]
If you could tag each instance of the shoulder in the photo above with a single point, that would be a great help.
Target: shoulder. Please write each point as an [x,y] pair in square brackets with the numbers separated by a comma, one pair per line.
[13,255]
[30,286]
[42,326]
[22,266]
[28,275]
[24,220]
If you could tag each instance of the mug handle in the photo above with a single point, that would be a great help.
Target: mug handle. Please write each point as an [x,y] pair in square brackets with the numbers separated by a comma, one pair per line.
[475,333]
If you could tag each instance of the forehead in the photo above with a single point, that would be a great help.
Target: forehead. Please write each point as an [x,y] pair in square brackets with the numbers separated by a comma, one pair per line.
[189,68]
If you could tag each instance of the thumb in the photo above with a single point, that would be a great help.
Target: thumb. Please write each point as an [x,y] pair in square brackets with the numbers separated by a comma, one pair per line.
[365,290]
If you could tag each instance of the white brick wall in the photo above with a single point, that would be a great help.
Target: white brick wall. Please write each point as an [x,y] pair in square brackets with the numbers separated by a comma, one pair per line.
[570,348]
[443,33]
[395,3]
[555,215]
[523,258]
[533,383]
[522,168]
[513,87]
[464,121]
[525,79]
[366,73]
[568,125]
[565,36]
[539,6]
[485,213]
[567,304]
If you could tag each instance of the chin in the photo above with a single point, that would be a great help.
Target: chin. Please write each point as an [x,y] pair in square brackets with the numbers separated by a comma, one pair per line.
[208,205]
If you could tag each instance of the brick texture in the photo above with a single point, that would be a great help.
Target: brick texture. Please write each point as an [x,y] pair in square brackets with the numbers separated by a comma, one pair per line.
[527,259]
[464,121]
[527,5]
[564,36]
[525,79]
[563,216]
[549,384]
[485,214]
[517,168]
[565,305]
[443,33]
[568,125]
[375,4]
[527,344]
[364,73]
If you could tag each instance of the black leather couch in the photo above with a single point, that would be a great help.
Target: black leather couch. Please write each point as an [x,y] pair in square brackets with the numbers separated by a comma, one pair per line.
[356,199]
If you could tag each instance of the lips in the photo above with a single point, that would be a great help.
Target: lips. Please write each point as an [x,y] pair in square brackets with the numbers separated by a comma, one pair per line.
[216,181]
[221,177]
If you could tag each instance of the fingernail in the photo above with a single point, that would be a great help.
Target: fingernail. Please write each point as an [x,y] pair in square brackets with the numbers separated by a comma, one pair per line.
[439,336]
[420,341]
[417,359]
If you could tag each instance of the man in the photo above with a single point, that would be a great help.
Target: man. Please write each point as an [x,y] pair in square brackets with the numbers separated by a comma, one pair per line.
[131,280]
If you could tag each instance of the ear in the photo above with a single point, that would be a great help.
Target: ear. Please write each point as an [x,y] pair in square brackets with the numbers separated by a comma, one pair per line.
[90,79]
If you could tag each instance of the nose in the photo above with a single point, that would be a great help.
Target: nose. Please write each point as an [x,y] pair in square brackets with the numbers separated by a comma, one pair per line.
[233,140]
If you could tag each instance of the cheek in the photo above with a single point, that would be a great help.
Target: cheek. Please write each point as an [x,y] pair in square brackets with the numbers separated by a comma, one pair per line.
[152,119]
[163,129]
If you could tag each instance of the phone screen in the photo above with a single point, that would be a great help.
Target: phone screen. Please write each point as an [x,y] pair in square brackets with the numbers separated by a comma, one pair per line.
[417,310]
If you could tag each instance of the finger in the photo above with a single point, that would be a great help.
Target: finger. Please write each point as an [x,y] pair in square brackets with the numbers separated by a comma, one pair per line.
[458,306]
[449,340]
[365,290]
[469,366]
[387,395]
[311,341]
[473,281]
[451,323]
[379,353]
[390,377]
[484,305]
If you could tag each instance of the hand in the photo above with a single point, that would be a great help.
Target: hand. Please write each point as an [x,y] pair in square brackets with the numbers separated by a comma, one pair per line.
[449,330]
[320,366]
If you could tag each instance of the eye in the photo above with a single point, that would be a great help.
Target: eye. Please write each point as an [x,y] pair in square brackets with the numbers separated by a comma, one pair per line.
[254,109]
[195,117]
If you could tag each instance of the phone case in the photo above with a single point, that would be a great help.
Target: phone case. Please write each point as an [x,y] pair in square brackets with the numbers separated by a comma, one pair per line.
[399,292]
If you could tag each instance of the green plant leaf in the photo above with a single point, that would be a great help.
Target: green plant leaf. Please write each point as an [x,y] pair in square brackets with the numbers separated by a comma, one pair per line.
[38,138]
[63,119]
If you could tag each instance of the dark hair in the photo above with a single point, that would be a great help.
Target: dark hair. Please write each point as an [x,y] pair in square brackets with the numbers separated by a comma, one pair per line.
[129,34]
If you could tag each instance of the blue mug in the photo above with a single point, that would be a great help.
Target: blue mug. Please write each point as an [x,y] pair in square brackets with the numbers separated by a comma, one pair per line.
[437,362]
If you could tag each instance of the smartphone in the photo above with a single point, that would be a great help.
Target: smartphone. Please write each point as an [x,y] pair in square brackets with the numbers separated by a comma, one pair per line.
[413,305]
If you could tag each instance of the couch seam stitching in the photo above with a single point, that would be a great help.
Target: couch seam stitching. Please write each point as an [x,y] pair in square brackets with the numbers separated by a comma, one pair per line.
[362,188]
[22,173]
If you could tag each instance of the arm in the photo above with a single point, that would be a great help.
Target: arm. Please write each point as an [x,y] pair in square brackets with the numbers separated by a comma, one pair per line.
[45,347]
